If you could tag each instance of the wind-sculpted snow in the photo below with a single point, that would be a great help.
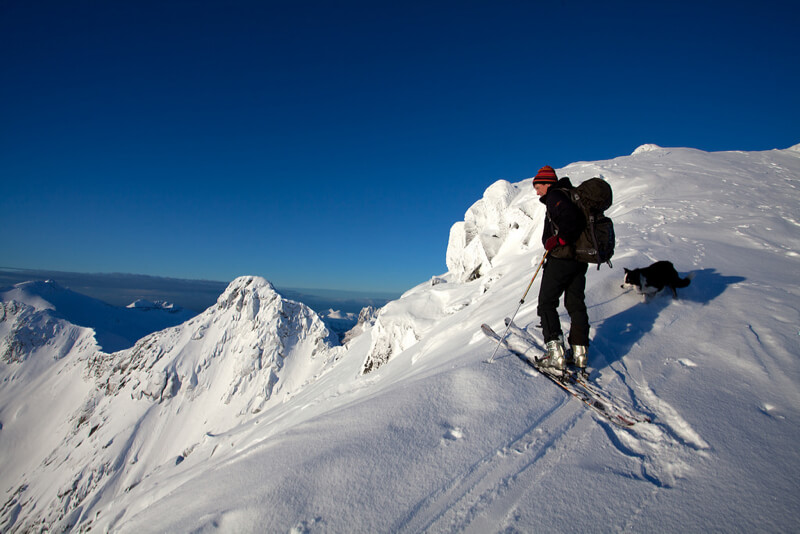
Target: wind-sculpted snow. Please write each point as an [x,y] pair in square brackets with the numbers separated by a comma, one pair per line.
[497,226]
[393,333]
[487,226]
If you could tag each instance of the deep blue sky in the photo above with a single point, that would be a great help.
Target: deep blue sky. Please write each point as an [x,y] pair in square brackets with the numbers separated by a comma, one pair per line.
[333,144]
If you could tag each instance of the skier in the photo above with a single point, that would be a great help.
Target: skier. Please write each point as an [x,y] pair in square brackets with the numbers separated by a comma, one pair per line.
[563,274]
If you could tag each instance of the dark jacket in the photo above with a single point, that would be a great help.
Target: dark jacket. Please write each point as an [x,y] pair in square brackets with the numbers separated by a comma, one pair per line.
[564,218]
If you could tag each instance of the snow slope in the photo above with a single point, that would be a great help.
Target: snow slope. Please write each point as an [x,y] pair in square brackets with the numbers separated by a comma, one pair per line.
[250,417]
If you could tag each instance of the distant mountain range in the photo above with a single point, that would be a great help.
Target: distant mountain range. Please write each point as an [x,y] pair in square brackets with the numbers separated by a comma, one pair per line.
[121,289]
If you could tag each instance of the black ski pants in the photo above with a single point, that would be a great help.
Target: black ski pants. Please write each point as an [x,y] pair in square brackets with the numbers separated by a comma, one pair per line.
[564,277]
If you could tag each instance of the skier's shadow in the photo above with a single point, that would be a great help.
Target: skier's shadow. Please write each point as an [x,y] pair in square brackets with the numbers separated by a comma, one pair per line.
[617,334]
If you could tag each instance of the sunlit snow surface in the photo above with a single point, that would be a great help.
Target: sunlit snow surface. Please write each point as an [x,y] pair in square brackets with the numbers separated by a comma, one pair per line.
[251,417]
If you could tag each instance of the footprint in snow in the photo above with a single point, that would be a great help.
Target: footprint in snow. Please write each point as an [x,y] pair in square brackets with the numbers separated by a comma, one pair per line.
[770,410]
[454,434]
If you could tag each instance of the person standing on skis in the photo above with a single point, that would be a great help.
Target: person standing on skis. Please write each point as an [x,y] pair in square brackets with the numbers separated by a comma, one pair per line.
[563,274]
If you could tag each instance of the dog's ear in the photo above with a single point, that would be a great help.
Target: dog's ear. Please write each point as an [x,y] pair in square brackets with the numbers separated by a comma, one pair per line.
[626,270]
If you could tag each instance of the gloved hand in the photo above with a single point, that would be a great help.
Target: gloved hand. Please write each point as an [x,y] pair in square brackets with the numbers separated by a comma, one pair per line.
[552,242]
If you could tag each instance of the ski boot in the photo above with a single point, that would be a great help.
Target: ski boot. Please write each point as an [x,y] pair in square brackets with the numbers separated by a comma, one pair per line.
[554,358]
[579,357]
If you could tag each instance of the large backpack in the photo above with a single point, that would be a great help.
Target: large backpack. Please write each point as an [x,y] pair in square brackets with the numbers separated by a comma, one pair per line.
[596,242]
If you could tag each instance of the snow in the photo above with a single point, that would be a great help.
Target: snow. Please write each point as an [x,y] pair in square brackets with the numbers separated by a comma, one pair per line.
[649,147]
[338,321]
[115,328]
[251,417]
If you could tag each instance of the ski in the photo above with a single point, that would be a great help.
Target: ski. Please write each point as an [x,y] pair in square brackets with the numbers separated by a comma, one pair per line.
[581,376]
[613,410]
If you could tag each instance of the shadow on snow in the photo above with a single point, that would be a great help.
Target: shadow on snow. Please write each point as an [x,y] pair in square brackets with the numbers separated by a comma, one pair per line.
[617,334]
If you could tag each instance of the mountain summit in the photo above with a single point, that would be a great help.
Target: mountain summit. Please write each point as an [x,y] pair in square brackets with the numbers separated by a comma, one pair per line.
[236,351]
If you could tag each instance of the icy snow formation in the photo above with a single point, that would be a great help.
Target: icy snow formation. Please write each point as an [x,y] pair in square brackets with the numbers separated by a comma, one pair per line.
[500,221]
[487,226]
[645,148]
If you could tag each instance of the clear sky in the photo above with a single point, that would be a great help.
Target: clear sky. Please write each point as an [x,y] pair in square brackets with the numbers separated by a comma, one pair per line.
[333,144]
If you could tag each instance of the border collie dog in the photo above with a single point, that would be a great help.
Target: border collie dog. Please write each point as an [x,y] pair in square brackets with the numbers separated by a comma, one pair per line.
[650,280]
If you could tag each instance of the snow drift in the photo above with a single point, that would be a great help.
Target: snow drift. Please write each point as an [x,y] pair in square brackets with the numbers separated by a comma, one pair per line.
[250,417]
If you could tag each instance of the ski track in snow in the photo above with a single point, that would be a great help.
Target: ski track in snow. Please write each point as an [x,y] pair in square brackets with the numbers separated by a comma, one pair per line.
[470,494]
[664,448]
[485,496]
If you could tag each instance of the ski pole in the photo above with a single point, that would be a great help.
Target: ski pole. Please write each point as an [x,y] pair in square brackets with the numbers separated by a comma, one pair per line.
[521,301]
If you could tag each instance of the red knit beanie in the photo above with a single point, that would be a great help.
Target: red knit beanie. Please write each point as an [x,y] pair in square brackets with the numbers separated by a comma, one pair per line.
[546,175]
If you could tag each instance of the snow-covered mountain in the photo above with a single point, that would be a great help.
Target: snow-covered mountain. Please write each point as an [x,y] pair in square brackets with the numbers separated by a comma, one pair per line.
[126,413]
[339,322]
[250,417]
[115,328]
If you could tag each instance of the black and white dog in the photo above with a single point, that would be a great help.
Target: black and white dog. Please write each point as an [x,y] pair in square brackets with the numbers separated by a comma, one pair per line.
[650,280]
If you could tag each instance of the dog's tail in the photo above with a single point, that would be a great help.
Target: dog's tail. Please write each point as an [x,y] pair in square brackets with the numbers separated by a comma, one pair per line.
[683,282]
